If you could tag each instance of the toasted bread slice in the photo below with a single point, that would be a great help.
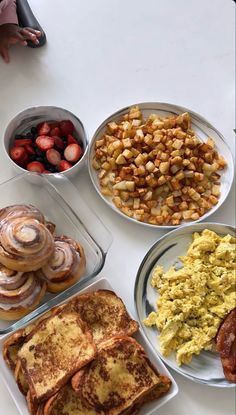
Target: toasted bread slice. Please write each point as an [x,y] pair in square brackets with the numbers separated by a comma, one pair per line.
[31,404]
[161,389]
[11,346]
[40,410]
[119,377]
[14,342]
[20,379]
[67,402]
[105,314]
[57,348]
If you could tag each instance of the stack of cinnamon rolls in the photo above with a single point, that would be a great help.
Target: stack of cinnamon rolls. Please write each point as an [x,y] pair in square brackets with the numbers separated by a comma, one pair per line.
[33,260]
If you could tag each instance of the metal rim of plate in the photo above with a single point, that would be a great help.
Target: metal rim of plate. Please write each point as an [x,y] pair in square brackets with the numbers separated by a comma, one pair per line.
[198,122]
[145,296]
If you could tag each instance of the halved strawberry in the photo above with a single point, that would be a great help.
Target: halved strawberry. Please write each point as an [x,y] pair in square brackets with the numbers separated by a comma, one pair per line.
[53,156]
[64,165]
[21,142]
[67,127]
[19,155]
[36,166]
[53,124]
[30,150]
[55,131]
[44,142]
[72,152]
[43,129]
[71,139]
[58,142]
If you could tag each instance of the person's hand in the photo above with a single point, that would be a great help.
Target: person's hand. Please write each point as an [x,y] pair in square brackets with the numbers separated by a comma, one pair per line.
[11,34]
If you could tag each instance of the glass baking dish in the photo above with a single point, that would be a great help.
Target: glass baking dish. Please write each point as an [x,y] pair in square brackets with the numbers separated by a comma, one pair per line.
[60,202]
[150,408]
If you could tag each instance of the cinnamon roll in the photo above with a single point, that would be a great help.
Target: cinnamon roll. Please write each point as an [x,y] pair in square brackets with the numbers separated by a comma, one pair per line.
[16,211]
[19,297]
[65,266]
[25,243]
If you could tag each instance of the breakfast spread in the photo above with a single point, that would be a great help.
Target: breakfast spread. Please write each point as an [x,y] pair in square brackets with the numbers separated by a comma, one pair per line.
[195,298]
[49,147]
[33,260]
[80,360]
[83,357]
[157,170]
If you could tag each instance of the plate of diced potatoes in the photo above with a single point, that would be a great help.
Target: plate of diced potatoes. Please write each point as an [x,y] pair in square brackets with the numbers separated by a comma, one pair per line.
[160,165]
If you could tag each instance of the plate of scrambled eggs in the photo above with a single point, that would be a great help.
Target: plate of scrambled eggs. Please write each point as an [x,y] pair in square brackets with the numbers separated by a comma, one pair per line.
[185,288]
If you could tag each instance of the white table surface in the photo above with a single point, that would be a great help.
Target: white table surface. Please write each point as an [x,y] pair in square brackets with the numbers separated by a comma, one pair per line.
[102,55]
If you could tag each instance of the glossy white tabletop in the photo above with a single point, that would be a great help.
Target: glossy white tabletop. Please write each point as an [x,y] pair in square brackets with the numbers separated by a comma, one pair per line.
[103,55]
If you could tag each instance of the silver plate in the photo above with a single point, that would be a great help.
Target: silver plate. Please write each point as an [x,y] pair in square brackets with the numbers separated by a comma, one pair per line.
[203,129]
[205,368]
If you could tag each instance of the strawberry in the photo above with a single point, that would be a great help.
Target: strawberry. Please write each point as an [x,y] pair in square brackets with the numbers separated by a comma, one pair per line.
[53,124]
[66,127]
[29,149]
[64,165]
[21,142]
[55,131]
[43,128]
[72,152]
[47,172]
[36,166]
[53,156]
[44,142]
[19,155]
[71,139]
[58,143]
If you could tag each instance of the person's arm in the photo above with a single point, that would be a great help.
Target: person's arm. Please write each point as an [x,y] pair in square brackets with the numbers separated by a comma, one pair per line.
[8,12]
[10,32]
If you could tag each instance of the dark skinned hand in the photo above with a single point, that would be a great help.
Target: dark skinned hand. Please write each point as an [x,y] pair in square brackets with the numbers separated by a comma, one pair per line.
[11,34]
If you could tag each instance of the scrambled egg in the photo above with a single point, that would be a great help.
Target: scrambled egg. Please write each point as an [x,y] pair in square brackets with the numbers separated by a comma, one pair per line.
[195,299]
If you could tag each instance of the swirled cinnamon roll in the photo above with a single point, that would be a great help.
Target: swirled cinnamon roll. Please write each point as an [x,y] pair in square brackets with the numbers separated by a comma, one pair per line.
[16,211]
[25,243]
[65,266]
[19,295]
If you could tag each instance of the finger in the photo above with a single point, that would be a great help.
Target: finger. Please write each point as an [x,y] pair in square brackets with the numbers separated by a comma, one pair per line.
[5,55]
[17,39]
[37,33]
[29,35]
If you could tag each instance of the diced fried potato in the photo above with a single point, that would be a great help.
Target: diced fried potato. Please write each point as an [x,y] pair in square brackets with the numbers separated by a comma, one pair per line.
[157,170]
[120,159]
[215,190]
[112,126]
[106,191]
[164,167]
[150,166]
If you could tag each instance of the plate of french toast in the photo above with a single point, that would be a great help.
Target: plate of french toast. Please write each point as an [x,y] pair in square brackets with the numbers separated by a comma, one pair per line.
[84,356]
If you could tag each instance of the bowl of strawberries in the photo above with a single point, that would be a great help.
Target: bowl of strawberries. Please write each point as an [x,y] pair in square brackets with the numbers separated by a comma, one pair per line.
[46,140]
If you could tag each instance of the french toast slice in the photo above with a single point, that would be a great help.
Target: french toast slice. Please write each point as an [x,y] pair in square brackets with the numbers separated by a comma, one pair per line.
[15,341]
[105,314]
[20,379]
[67,402]
[120,377]
[31,404]
[11,346]
[57,348]
[161,389]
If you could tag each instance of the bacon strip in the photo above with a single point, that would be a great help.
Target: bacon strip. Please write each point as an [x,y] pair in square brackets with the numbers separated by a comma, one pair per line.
[226,345]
